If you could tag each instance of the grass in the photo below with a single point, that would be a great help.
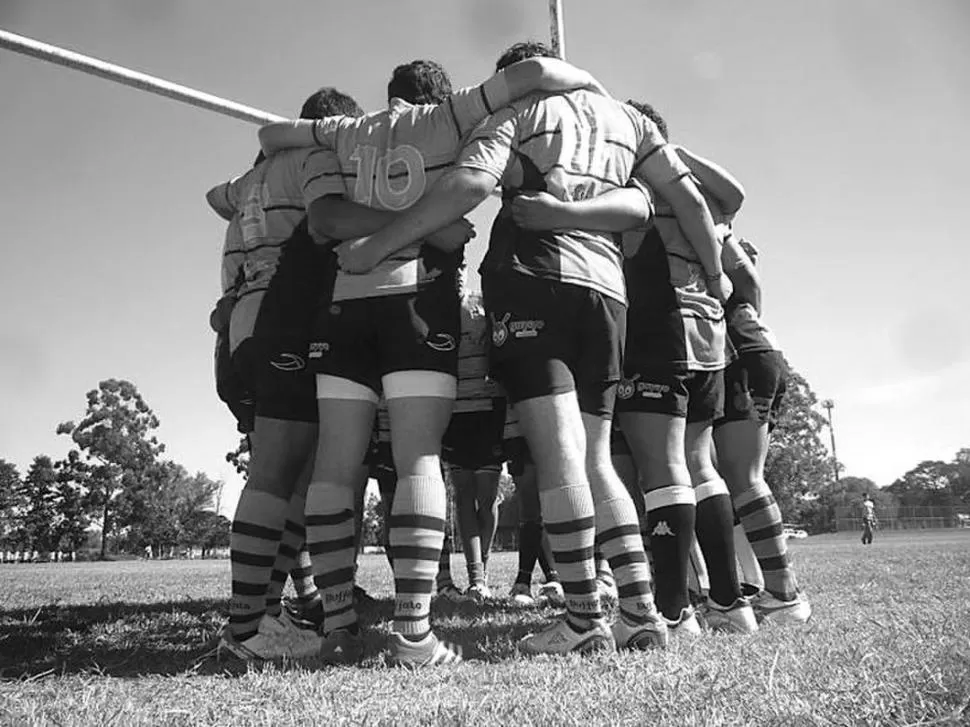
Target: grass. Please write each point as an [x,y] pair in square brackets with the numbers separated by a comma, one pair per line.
[126,643]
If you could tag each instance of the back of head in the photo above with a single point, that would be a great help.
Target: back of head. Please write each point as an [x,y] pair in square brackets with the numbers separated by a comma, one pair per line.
[419,82]
[522,51]
[651,113]
[328,101]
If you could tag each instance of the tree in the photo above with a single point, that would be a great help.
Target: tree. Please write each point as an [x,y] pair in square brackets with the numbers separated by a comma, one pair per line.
[69,531]
[11,488]
[798,461]
[39,496]
[372,524]
[117,440]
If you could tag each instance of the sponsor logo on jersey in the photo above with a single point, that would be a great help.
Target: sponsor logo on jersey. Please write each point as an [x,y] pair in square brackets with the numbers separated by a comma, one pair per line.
[288,362]
[500,329]
[441,342]
[661,528]
[318,349]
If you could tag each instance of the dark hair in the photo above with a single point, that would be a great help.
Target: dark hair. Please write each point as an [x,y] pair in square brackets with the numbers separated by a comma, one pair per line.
[651,113]
[521,51]
[328,101]
[419,82]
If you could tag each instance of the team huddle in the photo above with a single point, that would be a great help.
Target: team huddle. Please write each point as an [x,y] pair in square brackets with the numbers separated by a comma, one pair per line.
[616,361]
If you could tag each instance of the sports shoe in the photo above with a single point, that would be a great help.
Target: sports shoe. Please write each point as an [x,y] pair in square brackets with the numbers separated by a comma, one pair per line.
[609,596]
[684,626]
[551,594]
[521,595]
[478,592]
[451,593]
[650,635]
[276,638]
[769,608]
[302,612]
[341,646]
[561,638]
[429,651]
[738,618]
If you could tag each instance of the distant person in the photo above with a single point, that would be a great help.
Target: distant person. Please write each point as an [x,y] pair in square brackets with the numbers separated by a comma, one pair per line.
[868,519]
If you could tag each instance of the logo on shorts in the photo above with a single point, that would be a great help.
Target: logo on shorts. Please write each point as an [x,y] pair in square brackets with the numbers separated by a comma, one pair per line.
[288,362]
[526,329]
[441,342]
[318,349]
[661,528]
[652,391]
[335,310]
[627,387]
[500,329]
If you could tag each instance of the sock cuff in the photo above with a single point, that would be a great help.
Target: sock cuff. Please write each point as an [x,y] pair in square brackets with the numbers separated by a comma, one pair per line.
[668,496]
[616,511]
[757,491]
[711,488]
[420,495]
[328,497]
[571,502]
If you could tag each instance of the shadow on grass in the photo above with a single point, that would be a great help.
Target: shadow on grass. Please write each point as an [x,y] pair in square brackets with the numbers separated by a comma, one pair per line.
[178,637]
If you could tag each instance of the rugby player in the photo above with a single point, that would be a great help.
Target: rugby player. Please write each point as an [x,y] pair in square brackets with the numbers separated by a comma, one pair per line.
[868,519]
[755,387]
[394,328]
[283,273]
[557,306]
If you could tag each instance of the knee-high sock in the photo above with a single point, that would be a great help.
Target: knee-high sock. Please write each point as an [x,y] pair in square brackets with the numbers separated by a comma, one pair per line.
[618,536]
[417,535]
[715,534]
[330,542]
[444,579]
[253,544]
[570,522]
[670,524]
[530,540]
[761,520]
[292,559]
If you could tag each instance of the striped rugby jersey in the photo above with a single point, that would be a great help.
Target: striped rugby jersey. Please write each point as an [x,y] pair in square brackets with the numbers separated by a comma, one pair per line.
[574,146]
[388,159]
[270,201]
[233,256]
[746,332]
[475,390]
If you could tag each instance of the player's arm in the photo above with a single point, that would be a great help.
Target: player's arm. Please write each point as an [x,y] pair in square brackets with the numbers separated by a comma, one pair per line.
[715,179]
[219,200]
[537,74]
[742,272]
[614,211]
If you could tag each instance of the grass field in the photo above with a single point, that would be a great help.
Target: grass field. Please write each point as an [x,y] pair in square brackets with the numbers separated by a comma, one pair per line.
[125,644]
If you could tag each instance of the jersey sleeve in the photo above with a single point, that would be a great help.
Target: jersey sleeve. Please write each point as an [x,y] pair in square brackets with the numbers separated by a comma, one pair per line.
[469,106]
[320,175]
[489,147]
[657,163]
[326,130]
[232,257]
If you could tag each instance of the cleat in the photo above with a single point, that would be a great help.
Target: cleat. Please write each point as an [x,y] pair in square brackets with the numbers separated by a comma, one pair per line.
[768,608]
[304,615]
[521,595]
[451,593]
[429,651]
[684,626]
[649,635]
[609,596]
[277,638]
[479,593]
[561,638]
[738,618]
[341,646]
[551,594]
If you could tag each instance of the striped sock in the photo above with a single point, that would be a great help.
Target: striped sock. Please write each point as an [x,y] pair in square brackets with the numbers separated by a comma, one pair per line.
[761,519]
[670,523]
[443,579]
[330,542]
[715,534]
[570,522]
[288,558]
[253,545]
[417,535]
[476,573]
[618,537]
[748,565]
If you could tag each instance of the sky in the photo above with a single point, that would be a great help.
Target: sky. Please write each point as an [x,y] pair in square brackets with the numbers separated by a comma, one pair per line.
[844,121]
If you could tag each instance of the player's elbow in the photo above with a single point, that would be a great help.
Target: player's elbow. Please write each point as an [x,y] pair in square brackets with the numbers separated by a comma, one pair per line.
[471,187]
[734,198]
[216,197]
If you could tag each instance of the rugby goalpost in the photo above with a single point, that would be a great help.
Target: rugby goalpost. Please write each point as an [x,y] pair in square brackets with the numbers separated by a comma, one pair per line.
[159,86]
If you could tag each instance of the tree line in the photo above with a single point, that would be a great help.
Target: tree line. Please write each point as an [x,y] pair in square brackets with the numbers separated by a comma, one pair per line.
[115,479]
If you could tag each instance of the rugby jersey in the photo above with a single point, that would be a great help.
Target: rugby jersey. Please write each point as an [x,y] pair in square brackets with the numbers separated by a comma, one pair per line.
[670,306]
[270,201]
[233,255]
[387,160]
[574,146]
[476,392]
[745,329]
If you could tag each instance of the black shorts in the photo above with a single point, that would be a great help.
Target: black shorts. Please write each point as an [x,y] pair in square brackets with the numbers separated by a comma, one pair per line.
[367,338]
[550,337]
[619,447]
[518,455]
[697,396]
[473,440]
[231,390]
[754,386]
[275,372]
